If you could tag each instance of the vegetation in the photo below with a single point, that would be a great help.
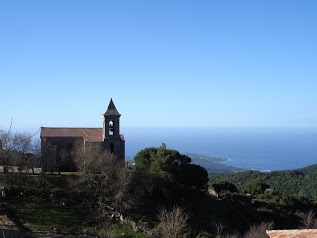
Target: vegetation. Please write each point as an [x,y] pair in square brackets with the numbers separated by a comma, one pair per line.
[168,174]
[19,151]
[256,186]
[300,183]
[164,196]
[224,186]
[172,223]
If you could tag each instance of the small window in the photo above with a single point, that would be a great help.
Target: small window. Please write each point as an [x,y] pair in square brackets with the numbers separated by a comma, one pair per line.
[111,128]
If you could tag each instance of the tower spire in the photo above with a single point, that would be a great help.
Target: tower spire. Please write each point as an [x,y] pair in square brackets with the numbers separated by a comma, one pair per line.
[112,110]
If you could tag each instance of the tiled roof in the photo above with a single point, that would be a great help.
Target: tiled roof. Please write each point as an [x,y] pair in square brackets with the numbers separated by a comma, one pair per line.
[112,110]
[89,134]
[306,233]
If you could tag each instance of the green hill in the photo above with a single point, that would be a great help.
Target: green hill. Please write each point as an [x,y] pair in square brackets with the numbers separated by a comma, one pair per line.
[298,182]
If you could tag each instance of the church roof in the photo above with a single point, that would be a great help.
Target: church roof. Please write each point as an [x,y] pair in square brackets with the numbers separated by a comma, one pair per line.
[112,110]
[88,134]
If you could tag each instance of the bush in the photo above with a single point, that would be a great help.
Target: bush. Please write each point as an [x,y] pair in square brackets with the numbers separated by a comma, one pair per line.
[256,187]
[173,224]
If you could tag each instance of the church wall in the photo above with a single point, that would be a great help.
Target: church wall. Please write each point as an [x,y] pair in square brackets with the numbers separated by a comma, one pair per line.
[59,163]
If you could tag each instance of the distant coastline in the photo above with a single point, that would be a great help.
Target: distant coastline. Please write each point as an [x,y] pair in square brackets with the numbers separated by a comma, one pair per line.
[213,164]
[261,149]
[206,157]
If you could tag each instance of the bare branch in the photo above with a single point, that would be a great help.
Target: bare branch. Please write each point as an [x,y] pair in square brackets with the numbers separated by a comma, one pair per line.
[172,223]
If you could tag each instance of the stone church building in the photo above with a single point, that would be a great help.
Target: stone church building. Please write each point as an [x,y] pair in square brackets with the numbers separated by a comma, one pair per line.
[108,136]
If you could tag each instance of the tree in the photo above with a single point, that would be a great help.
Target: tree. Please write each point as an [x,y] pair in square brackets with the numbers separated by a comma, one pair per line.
[34,158]
[193,176]
[256,186]
[14,147]
[104,179]
[15,151]
[122,198]
[47,157]
[224,186]
[91,158]
[167,172]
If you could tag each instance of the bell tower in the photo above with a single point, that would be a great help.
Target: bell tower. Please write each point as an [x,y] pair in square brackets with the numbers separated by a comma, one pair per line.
[111,122]
[113,141]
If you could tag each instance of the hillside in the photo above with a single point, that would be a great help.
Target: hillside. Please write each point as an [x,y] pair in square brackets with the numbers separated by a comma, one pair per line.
[109,201]
[298,182]
[65,208]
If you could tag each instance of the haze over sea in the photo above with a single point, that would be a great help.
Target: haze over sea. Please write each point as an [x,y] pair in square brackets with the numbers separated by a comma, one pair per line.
[251,148]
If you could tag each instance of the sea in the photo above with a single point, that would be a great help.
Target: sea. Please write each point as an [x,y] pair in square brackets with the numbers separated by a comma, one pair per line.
[265,149]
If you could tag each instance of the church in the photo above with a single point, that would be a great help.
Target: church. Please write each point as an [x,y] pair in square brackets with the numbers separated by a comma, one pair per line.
[108,136]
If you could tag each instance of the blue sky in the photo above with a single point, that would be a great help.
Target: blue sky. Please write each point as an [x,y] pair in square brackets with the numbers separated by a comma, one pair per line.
[164,63]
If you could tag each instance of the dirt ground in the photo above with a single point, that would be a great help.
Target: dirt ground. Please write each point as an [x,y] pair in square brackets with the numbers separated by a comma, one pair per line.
[9,230]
